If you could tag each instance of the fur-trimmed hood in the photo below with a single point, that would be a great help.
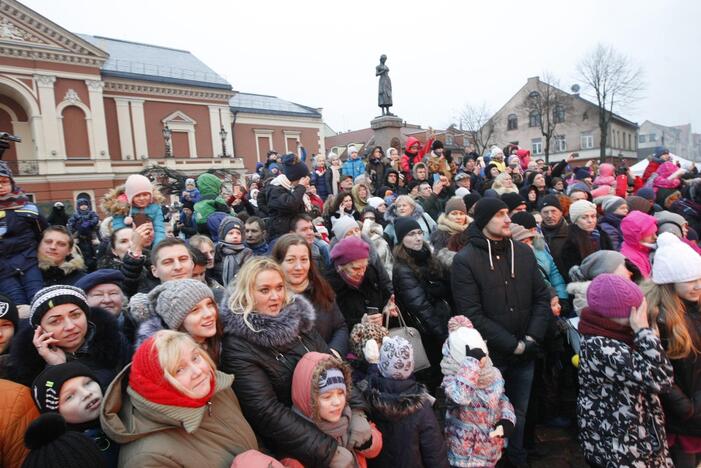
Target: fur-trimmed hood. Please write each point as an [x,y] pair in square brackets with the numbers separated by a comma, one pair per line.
[148,328]
[445,257]
[115,203]
[396,399]
[294,319]
[73,263]
[391,213]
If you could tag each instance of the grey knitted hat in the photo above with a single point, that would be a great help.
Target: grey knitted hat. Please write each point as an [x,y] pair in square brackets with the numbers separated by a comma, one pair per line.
[173,300]
[396,358]
[597,263]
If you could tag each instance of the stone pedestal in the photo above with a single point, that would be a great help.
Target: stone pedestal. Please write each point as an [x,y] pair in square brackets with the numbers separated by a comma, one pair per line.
[387,128]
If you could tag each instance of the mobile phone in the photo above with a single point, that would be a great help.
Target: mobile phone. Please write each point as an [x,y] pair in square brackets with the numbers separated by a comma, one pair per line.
[372,310]
[141,218]
[436,178]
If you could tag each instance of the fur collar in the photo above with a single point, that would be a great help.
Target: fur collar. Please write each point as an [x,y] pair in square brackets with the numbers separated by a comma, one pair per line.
[294,319]
[451,227]
[114,204]
[72,263]
[391,213]
[396,399]
[445,257]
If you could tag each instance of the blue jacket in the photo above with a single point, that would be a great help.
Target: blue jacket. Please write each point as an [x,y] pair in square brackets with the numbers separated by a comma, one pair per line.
[83,223]
[551,273]
[20,233]
[353,167]
[154,212]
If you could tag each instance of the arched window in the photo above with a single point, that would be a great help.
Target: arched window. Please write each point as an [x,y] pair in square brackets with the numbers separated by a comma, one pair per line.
[512,122]
[534,119]
[558,114]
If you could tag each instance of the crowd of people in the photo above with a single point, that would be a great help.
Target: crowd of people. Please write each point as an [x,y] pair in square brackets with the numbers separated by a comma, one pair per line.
[399,308]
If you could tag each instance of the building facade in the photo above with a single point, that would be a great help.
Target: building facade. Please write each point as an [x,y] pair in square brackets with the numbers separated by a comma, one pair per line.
[679,139]
[577,127]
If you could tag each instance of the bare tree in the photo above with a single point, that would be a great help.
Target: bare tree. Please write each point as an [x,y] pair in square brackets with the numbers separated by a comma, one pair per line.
[614,81]
[478,123]
[546,107]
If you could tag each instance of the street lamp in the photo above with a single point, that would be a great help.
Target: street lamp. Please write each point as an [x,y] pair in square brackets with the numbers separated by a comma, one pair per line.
[222,134]
[167,134]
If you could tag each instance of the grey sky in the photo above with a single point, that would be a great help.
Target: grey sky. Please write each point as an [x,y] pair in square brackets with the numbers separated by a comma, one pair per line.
[441,54]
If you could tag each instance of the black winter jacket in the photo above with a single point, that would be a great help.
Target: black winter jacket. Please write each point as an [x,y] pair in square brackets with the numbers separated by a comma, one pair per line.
[402,411]
[283,205]
[330,324]
[555,238]
[571,256]
[20,238]
[263,364]
[505,301]
[70,271]
[137,274]
[106,351]
[374,291]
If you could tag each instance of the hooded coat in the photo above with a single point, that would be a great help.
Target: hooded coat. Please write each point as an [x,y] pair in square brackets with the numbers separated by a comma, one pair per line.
[263,363]
[634,226]
[68,272]
[152,434]
[116,205]
[18,411]
[496,288]
[209,186]
[610,223]
[283,204]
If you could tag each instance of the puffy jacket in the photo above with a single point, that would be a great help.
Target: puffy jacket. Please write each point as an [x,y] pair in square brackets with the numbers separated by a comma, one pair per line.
[105,350]
[611,224]
[68,272]
[20,234]
[83,224]
[330,324]
[353,167]
[283,205]
[377,170]
[322,182]
[137,274]
[18,410]
[499,290]
[263,363]
[633,227]
[168,436]
[552,274]
[209,186]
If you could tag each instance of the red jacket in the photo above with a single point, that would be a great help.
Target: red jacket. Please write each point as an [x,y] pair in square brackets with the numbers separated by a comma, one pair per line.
[407,163]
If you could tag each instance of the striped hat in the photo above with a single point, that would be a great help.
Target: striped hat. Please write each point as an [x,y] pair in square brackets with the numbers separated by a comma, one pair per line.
[47,298]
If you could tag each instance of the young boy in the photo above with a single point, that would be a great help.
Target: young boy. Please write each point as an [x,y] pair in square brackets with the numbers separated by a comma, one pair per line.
[230,252]
[190,194]
[320,385]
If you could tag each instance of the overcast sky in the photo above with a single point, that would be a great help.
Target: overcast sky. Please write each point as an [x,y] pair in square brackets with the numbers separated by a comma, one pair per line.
[441,54]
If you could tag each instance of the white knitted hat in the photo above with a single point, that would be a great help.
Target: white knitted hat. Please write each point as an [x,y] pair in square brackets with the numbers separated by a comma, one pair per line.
[675,262]
[465,336]
[579,208]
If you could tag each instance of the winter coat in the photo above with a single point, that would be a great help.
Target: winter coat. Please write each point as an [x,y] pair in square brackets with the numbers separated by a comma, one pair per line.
[633,230]
[116,205]
[377,170]
[570,254]
[83,224]
[445,228]
[153,212]
[472,413]
[611,225]
[427,224]
[556,238]
[18,411]
[551,273]
[283,205]
[373,232]
[137,274]
[691,211]
[68,272]
[374,291]
[353,167]
[663,180]
[330,324]
[499,290]
[620,418]
[220,257]
[20,234]
[322,183]
[403,412]
[105,350]
[432,205]
[210,202]
[58,216]
[263,363]
[607,175]
[153,435]
[190,195]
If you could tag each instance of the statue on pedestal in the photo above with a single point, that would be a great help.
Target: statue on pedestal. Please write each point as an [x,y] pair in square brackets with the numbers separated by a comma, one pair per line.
[384,95]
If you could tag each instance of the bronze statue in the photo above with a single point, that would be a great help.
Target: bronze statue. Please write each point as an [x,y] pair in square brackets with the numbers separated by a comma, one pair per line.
[384,95]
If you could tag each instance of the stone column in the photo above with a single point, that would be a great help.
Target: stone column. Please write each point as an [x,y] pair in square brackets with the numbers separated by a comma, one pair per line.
[139,123]
[214,127]
[99,123]
[126,141]
[47,101]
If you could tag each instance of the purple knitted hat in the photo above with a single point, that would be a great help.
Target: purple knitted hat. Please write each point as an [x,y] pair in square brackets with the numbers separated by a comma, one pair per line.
[612,296]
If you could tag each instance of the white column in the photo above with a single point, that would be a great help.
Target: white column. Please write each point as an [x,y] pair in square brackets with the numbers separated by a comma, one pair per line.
[192,141]
[214,127]
[137,115]
[47,101]
[225,114]
[99,123]
[124,123]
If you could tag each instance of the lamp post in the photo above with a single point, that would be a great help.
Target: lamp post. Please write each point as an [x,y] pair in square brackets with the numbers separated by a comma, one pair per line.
[222,134]
[167,134]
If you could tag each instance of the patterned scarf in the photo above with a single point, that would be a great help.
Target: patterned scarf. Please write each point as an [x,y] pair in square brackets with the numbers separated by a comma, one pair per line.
[488,374]
[13,200]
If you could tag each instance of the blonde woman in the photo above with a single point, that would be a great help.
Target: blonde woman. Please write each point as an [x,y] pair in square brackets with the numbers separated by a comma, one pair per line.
[267,330]
[673,301]
[172,408]
[503,183]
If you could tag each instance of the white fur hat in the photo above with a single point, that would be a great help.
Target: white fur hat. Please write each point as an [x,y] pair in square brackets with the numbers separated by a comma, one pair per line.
[675,262]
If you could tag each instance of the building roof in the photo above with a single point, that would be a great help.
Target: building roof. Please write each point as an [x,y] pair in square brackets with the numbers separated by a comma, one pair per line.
[270,105]
[155,63]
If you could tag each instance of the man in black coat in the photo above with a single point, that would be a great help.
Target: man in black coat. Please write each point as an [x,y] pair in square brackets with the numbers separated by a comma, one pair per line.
[497,285]
[285,197]
[554,227]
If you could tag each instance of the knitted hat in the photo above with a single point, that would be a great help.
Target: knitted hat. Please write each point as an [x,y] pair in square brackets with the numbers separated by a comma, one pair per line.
[460,176]
[601,191]
[513,200]
[465,335]
[51,296]
[578,187]
[470,199]
[670,222]
[331,379]
[362,332]
[51,445]
[520,233]
[375,201]
[461,192]
[293,168]
[227,224]
[648,193]
[189,181]
[525,219]
[455,204]
[597,263]
[396,358]
[98,277]
[189,205]
[485,209]
[58,205]
[613,296]
[342,225]
[173,300]
[582,173]
[352,149]
[136,184]
[83,201]
[147,378]
[675,262]
[611,204]
[349,249]
[8,310]
[5,171]
[580,208]
[636,203]
[437,144]
[46,387]
[255,459]
[403,226]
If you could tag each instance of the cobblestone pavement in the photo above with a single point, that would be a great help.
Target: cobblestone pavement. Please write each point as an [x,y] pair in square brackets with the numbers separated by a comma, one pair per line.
[560,447]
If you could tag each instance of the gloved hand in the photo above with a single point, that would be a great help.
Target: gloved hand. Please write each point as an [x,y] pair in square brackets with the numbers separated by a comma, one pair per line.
[343,458]
[371,352]
[503,428]
[532,349]
[360,431]
[475,352]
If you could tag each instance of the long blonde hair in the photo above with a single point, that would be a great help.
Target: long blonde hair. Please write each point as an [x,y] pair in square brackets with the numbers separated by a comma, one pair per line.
[241,289]
[170,346]
[666,309]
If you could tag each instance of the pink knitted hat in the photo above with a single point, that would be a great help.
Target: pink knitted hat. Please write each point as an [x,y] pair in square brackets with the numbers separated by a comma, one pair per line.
[136,184]
[348,250]
[612,296]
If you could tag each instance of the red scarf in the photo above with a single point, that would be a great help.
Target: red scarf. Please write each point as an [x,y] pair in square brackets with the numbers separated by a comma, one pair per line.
[591,324]
[13,200]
